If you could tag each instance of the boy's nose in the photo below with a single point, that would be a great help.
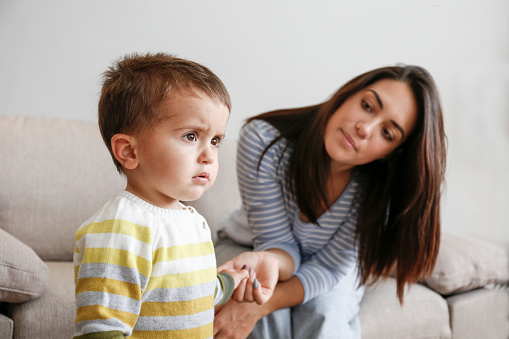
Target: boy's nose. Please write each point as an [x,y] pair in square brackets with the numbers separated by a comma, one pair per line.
[207,156]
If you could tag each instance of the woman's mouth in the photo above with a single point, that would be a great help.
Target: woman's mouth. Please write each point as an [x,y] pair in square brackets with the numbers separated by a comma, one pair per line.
[348,140]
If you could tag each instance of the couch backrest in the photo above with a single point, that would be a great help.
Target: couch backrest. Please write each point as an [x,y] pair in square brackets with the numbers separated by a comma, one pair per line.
[54,174]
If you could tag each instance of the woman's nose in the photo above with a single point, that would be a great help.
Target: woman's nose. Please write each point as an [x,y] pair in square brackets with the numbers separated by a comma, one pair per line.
[365,128]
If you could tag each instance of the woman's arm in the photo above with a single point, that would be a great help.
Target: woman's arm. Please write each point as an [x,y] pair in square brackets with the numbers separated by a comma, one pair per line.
[270,213]
[285,263]
[287,294]
[236,321]
[262,189]
[325,269]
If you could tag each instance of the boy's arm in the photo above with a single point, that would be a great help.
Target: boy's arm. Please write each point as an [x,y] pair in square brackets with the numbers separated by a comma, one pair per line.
[224,288]
[227,282]
[110,279]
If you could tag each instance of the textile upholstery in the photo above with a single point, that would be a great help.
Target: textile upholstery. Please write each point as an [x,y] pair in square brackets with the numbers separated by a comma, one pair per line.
[466,263]
[59,173]
[23,275]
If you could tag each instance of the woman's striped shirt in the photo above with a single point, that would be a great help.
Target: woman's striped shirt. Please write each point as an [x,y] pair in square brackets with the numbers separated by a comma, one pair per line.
[322,254]
[144,271]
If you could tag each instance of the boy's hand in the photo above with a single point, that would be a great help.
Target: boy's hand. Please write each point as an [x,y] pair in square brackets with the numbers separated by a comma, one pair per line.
[243,278]
[264,273]
[237,275]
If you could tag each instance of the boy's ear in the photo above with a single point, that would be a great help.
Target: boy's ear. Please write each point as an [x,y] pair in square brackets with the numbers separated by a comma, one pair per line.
[122,146]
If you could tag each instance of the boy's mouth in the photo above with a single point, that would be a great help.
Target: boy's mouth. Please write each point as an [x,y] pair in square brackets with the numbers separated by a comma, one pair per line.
[202,177]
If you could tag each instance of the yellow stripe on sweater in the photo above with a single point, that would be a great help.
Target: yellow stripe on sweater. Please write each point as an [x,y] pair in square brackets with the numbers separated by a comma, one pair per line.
[142,233]
[105,255]
[96,312]
[205,331]
[110,286]
[183,279]
[175,308]
[101,335]
[183,251]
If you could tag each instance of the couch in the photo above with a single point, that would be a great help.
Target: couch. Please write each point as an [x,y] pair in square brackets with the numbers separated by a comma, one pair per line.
[55,173]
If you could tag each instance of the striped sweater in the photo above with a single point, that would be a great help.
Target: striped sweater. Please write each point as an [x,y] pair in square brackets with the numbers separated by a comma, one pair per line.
[270,217]
[145,271]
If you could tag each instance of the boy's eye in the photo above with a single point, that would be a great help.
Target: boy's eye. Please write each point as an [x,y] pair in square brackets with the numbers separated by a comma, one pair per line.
[190,137]
[215,141]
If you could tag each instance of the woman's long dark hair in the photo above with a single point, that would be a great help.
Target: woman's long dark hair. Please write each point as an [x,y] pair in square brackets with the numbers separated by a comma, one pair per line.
[399,216]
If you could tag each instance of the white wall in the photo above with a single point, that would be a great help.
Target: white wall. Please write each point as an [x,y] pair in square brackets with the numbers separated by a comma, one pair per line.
[275,54]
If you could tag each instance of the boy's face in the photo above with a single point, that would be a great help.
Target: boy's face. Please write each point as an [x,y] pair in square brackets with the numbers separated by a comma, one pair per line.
[178,157]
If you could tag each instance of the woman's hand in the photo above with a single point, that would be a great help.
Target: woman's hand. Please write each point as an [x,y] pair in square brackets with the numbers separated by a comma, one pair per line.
[264,266]
[236,321]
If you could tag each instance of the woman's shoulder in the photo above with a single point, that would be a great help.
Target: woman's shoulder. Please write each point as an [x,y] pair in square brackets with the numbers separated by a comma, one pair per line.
[257,138]
[259,134]
[259,128]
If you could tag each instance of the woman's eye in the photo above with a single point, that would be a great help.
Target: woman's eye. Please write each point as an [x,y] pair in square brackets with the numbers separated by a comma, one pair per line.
[366,106]
[190,137]
[386,134]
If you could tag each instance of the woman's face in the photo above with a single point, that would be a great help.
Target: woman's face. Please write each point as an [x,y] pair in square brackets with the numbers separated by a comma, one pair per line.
[370,124]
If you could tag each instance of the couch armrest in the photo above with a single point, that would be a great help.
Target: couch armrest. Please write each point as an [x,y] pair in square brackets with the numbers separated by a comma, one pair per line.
[465,263]
[6,326]
[23,275]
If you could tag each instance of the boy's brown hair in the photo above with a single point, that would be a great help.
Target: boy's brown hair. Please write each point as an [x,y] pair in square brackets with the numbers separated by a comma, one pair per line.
[135,87]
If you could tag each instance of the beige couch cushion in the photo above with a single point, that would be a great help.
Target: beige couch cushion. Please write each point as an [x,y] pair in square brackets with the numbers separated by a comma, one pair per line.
[23,275]
[54,175]
[482,313]
[424,313]
[466,263]
[52,315]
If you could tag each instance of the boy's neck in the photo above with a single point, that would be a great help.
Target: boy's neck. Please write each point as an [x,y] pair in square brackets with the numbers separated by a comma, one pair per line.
[154,199]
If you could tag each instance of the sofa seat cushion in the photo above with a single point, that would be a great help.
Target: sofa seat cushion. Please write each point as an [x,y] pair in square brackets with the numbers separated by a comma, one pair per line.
[424,313]
[23,275]
[483,313]
[53,314]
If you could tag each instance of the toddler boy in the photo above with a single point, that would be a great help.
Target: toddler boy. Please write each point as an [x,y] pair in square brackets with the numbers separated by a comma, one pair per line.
[144,263]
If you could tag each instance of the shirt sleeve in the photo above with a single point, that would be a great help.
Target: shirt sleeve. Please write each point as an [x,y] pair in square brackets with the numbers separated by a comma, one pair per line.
[261,189]
[322,271]
[113,264]
[225,286]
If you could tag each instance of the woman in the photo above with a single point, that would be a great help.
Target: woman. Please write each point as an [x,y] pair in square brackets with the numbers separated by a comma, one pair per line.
[336,196]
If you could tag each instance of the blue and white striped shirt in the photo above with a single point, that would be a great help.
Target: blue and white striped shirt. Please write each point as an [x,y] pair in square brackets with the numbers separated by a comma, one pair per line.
[322,254]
